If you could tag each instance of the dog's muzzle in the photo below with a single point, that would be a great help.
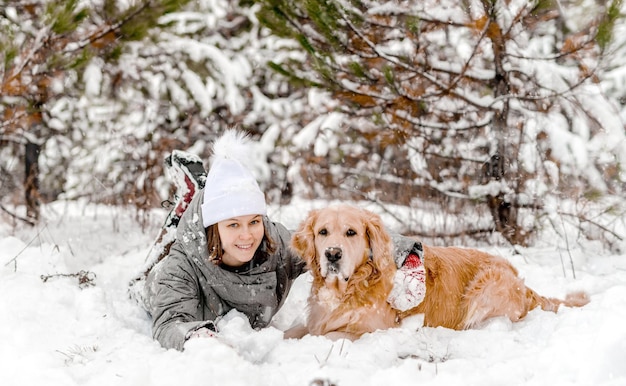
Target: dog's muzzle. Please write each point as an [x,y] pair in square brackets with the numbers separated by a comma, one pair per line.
[334,266]
[333,257]
[333,254]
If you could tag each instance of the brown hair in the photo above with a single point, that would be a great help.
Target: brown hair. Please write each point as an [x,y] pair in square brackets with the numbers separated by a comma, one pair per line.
[214,243]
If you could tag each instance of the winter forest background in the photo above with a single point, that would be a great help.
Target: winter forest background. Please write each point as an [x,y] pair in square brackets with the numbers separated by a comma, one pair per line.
[494,119]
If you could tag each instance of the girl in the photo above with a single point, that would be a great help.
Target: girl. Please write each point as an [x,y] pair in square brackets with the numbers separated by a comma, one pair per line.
[227,255]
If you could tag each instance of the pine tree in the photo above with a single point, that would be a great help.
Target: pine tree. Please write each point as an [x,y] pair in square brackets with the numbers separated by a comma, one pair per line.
[194,73]
[487,98]
[44,47]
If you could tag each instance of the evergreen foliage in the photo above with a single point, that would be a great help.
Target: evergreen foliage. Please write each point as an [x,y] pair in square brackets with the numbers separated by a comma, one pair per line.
[480,96]
[49,43]
[482,115]
[607,23]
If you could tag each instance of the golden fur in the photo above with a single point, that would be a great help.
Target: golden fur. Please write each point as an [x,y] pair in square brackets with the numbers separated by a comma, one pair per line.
[351,282]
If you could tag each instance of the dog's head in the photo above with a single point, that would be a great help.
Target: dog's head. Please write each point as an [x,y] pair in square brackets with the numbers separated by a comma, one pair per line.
[342,242]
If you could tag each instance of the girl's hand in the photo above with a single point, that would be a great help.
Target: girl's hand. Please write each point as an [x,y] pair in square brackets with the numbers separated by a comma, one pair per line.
[202,333]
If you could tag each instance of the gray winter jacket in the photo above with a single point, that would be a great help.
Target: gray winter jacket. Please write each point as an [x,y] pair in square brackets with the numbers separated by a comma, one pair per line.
[186,292]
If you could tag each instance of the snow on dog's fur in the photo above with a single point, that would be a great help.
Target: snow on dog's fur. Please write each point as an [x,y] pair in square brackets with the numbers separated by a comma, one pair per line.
[349,255]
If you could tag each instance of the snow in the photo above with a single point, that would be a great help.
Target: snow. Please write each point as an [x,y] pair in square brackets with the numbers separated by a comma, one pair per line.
[58,332]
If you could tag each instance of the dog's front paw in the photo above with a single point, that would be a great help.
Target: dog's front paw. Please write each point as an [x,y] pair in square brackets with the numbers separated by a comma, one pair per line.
[296,332]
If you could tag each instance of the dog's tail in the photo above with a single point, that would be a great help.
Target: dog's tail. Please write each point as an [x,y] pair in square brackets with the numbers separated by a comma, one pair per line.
[574,299]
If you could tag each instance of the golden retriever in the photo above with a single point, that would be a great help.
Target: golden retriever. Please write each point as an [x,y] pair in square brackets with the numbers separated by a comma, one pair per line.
[350,256]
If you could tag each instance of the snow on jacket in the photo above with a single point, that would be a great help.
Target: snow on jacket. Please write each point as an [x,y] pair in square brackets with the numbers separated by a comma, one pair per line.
[186,291]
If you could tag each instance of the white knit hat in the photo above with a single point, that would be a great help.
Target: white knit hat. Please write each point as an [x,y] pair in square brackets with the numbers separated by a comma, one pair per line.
[231,189]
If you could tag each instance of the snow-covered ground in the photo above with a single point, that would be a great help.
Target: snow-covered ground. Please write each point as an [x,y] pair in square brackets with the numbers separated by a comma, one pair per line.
[55,330]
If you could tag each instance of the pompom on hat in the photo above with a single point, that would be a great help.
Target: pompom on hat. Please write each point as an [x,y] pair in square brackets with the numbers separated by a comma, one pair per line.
[231,189]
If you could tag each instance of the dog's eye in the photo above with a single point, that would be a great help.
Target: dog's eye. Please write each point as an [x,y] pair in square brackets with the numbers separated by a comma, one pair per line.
[323,232]
[350,233]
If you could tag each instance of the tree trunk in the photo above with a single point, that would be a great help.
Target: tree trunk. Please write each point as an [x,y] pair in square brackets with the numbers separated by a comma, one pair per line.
[503,212]
[31,180]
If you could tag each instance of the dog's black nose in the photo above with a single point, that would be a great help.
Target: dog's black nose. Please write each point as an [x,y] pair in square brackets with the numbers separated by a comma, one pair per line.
[333,254]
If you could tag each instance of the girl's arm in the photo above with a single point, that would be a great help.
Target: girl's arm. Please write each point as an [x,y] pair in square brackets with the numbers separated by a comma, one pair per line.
[174,299]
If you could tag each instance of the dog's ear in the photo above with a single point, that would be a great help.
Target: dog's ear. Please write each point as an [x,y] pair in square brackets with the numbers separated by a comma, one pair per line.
[380,242]
[303,240]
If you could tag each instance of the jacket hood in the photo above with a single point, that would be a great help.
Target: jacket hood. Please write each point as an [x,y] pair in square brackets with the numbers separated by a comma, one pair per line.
[191,233]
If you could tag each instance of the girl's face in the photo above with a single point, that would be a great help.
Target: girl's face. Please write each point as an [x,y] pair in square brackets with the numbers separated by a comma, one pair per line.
[240,237]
